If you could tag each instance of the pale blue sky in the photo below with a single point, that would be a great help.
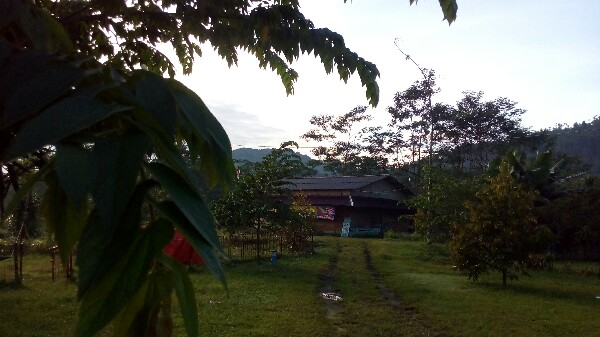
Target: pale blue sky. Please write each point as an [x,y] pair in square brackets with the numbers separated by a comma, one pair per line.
[544,54]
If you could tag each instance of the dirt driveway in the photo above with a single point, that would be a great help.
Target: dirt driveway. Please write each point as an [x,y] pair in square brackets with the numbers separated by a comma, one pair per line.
[358,302]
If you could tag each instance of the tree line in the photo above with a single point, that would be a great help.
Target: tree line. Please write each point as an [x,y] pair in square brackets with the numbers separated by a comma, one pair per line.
[463,137]
[478,173]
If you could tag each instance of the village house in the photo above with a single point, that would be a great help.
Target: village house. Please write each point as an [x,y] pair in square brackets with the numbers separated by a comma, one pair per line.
[364,203]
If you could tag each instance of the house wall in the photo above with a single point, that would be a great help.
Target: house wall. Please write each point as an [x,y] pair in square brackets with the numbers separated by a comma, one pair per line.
[363,215]
[362,218]
[322,226]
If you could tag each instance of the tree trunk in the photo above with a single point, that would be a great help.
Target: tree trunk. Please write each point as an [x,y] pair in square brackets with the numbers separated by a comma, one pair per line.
[3,191]
[258,244]
[16,262]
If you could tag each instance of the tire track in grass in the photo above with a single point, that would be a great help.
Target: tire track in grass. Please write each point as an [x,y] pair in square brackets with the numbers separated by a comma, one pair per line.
[365,312]
[416,324]
[331,297]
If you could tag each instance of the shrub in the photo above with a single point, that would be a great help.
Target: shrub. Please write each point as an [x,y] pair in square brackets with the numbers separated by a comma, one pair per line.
[391,235]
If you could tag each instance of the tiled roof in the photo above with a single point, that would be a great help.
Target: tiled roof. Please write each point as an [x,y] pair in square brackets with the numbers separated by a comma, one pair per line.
[332,183]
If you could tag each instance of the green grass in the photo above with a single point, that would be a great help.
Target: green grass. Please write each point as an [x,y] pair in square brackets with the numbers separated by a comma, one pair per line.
[365,311]
[553,303]
[282,300]
[40,307]
[263,300]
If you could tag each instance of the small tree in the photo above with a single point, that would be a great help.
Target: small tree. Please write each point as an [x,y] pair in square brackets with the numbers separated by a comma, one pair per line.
[498,232]
[254,201]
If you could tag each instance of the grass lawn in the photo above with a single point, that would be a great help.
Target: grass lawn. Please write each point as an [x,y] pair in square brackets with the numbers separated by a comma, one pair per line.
[556,303]
[263,300]
[40,308]
[389,288]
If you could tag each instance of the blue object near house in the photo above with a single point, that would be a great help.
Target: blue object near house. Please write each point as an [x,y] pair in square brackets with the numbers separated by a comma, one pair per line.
[365,232]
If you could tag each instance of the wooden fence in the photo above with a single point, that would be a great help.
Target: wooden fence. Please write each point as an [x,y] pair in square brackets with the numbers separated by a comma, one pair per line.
[247,247]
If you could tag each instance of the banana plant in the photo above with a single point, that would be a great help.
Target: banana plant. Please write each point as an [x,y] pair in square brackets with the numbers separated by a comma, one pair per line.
[538,173]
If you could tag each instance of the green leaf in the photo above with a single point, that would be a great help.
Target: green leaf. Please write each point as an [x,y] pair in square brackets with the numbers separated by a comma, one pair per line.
[51,80]
[164,147]
[9,10]
[188,201]
[63,119]
[5,51]
[124,324]
[215,147]
[75,172]
[111,293]
[449,7]
[44,31]
[102,245]
[159,301]
[116,160]
[185,293]
[36,81]
[153,94]
[65,219]
[192,235]
[145,313]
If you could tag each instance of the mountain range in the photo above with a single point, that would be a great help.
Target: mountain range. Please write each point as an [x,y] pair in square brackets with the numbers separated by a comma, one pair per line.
[579,140]
[256,155]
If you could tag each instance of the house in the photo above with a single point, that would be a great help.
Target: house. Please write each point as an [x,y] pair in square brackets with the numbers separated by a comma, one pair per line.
[365,202]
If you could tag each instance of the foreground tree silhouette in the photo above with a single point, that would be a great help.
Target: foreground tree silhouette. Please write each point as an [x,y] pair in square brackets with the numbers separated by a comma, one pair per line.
[81,85]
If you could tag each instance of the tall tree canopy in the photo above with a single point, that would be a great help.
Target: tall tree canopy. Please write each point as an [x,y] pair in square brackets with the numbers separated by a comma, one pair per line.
[478,131]
[82,89]
[343,151]
[413,118]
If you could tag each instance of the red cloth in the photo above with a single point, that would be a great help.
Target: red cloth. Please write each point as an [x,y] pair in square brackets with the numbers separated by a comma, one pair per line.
[182,251]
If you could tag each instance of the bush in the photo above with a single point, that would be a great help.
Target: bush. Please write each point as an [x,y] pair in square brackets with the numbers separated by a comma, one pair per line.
[391,235]
[541,261]
[403,236]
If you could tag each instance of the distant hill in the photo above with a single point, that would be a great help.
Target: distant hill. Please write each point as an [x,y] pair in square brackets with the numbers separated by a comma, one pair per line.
[256,155]
[581,140]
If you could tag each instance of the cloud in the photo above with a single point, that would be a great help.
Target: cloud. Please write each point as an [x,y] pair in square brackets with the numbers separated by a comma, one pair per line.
[244,128]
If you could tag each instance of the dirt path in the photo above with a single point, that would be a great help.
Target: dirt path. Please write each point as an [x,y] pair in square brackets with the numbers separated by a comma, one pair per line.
[365,305]
[416,323]
[331,297]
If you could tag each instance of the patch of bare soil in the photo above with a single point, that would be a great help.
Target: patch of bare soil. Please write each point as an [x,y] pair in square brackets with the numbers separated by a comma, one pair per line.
[331,297]
[417,323]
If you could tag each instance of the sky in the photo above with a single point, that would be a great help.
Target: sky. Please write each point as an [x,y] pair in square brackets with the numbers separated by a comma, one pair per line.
[543,54]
